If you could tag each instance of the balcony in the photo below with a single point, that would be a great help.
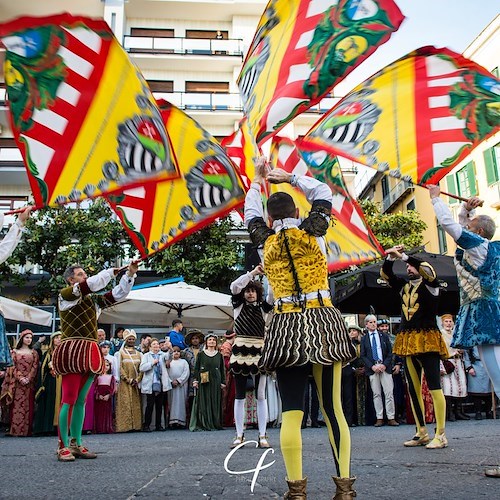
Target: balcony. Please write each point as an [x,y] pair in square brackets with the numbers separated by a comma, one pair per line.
[401,189]
[190,46]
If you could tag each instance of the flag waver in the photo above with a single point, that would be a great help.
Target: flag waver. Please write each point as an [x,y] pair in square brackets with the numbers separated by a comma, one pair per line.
[415,119]
[82,115]
[350,241]
[302,49]
[157,215]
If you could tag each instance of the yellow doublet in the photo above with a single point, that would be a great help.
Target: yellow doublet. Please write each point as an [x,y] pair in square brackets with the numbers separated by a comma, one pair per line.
[310,265]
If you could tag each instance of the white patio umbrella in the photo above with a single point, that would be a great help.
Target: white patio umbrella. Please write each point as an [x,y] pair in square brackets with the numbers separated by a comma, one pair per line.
[158,306]
[17,311]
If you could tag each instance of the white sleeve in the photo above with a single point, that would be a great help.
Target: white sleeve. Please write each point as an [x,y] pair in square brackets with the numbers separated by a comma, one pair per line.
[445,218]
[314,189]
[239,283]
[253,203]
[10,242]
[100,280]
[123,288]
[464,216]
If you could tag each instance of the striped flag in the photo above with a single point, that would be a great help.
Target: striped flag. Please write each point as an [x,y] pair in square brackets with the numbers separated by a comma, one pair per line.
[157,215]
[82,115]
[350,241]
[416,119]
[302,49]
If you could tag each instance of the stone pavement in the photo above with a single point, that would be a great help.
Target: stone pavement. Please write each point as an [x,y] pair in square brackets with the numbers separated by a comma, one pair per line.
[183,465]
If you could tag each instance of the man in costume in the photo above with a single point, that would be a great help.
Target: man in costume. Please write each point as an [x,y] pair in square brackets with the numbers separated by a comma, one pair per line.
[306,332]
[7,245]
[250,314]
[419,341]
[78,358]
[477,260]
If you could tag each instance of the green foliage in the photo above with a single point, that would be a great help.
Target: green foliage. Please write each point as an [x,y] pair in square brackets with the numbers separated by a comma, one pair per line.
[404,228]
[206,258]
[56,238]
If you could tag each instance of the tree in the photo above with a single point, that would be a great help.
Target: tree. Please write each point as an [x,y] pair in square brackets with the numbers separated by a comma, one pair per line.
[397,228]
[206,258]
[56,238]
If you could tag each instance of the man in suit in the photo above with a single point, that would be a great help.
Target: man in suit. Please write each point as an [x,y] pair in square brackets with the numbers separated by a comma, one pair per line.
[376,353]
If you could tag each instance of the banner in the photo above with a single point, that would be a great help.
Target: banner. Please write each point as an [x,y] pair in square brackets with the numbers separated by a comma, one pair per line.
[349,241]
[157,215]
[82,115]
[302,49]
[416,119]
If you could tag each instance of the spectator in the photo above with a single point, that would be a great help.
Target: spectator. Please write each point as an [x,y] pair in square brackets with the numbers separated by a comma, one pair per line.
[356,334]
[144,343]
[155,384]
[128,398]
[209,378]
[179,375]
[48,395]
[229,392]
[18,389]
[101,335]
[117,340]
[105,347]
[176,336]
[376,353]
[478,383]
[194,340]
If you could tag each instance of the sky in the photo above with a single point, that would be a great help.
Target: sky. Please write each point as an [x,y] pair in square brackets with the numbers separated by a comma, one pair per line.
[443,23]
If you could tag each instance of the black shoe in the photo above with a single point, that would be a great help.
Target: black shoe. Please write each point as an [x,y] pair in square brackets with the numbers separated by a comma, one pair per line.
[489,414]
[146,429]
[315,425]
[321,423]
[160,429]
[479,416]
[462,416]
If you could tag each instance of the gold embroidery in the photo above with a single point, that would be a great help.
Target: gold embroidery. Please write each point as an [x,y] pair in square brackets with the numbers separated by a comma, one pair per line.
[410,301]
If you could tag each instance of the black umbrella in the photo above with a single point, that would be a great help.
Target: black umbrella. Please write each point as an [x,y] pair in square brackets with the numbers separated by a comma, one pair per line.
[367,288]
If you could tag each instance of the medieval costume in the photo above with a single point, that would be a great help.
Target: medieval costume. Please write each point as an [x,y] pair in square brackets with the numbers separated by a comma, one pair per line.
[104,389]
[128,396]
[178,396]
[209,377]
[420,343]
[78,359]
[306,331]
[250,314]
[229,392]
[18,388]
[48,394]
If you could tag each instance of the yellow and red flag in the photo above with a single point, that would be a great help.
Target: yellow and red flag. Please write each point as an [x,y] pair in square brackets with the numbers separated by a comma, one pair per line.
[350,240]
[82,115]
[415,119]
[156,215]
[302,49]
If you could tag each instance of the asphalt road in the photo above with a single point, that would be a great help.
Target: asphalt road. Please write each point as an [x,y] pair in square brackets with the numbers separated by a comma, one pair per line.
[188,466]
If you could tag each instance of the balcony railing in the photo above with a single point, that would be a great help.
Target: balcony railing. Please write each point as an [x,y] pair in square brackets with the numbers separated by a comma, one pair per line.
[396,193]
[195,46]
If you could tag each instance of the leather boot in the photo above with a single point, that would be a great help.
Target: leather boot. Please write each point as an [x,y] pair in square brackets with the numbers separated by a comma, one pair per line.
[450,410]
[459,413]
[345,491]
[296,489]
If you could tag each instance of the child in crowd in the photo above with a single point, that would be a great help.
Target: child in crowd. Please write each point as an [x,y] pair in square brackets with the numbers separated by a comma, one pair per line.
[103,407]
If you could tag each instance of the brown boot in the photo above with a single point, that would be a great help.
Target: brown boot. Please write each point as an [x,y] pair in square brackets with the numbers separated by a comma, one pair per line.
[296,489]
[345,491]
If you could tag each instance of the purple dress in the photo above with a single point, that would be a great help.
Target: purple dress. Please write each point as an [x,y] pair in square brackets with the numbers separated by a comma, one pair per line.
[103,410]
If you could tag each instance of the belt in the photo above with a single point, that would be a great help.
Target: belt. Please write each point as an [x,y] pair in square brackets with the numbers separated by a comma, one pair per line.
[324,294]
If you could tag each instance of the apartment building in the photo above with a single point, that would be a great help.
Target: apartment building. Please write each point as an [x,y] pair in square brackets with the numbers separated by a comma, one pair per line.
[190,52]
[476,175]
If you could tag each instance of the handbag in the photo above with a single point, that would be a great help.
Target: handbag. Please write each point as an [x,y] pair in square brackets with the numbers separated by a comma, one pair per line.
[449,367]
[204,377]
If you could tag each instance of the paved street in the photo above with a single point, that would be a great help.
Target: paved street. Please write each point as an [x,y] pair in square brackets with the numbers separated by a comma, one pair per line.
[189,466]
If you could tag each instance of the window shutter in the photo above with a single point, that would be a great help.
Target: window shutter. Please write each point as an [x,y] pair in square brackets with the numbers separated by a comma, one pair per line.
[451,183]
[490,166]
[471,178]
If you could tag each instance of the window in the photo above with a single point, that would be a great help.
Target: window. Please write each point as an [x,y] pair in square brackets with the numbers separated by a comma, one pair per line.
[491,163]
[161,85]
[152,32]
[217,34]
[385,186]
[212,87]
[443,245]
[411,205]
[463,183]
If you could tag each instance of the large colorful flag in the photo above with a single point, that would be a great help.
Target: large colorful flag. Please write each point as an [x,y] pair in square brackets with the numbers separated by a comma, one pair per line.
[156,215]
[82,114]
[302,49]
[349,241]
[241,147]
[415,119]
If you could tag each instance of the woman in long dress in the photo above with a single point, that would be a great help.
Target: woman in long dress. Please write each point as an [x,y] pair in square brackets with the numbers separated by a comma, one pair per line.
[128,398]
[18,389]
[48,394]
[103,407]
[179,375]
[209,378]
